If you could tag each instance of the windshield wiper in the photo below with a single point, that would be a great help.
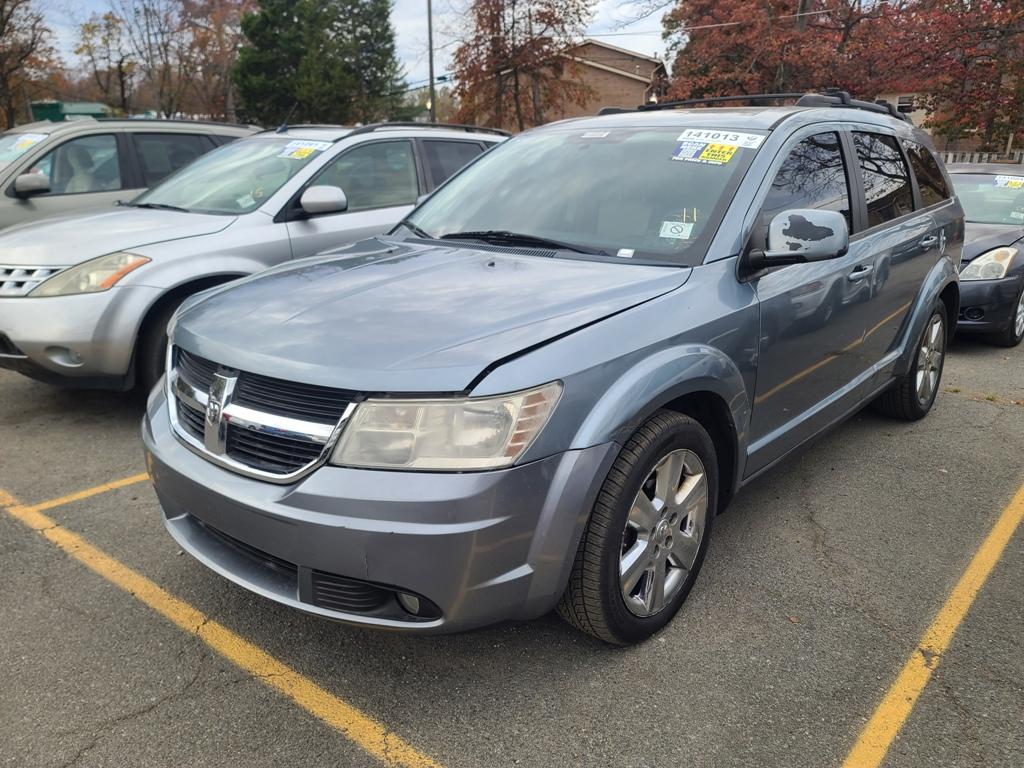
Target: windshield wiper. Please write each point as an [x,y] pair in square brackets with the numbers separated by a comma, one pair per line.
[504,237]
[159,207]
[418,231]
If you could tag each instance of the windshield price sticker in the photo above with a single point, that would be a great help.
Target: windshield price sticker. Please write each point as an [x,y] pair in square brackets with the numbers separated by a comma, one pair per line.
[1011,182]
[732,138]
[595,134]
[676,230]
[300,150]
[701,152]
[27,140]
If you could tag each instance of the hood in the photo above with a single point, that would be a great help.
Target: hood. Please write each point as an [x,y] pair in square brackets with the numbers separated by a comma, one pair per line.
[979,238]
[67,240]
[408,318]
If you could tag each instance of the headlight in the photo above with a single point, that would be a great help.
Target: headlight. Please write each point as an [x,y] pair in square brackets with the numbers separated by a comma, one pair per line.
[991,265]
[457,434]
[90,276]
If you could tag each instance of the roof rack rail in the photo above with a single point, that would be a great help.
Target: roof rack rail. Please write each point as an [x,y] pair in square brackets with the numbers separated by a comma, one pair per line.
[830,97]
[177,120]
[370,128]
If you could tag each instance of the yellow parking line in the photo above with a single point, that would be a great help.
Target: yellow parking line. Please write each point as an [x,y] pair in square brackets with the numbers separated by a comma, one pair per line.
[885,724]
[361,729]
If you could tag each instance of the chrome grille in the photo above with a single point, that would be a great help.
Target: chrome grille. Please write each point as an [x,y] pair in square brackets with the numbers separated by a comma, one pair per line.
[253,424]
[19,281]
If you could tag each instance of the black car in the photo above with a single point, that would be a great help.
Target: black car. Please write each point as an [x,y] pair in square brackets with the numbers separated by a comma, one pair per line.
[992,271]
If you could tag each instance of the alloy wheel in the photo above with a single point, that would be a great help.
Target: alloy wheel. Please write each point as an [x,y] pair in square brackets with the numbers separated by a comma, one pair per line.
[929,360]
[1018,325]
[664,530]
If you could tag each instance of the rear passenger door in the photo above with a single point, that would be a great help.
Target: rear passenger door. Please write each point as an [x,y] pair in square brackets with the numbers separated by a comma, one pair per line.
[381,182]
[158,155]
[442,158]
[898,246]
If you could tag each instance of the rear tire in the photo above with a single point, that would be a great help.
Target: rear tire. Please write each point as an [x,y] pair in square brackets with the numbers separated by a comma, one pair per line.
[913,394]
[646,529]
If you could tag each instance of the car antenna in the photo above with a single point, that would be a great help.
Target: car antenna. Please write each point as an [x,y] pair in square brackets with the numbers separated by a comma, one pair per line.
[283,127]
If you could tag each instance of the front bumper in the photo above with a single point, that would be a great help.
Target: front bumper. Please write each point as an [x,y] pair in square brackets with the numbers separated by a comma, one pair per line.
[988,306]
[480,546]
[84,340]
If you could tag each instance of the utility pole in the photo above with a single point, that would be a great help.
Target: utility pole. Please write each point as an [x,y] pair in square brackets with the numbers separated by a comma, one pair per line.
[430,60]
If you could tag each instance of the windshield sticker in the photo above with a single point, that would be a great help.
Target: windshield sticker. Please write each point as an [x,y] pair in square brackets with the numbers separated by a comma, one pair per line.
[27,140]
[300,150]
[701,152]
[245,201]
[676,230]
[595,134]
[731,138]
[625,253]
[1011,182]
[1017,214]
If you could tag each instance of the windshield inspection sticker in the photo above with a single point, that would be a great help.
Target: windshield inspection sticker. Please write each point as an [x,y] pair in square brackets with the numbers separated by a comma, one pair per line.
[300,150]
[701,152]
[731,138]
[676,230]
[1011,182]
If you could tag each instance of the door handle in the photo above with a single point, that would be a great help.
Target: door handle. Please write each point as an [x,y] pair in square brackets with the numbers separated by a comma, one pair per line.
[929,241]
[860,273]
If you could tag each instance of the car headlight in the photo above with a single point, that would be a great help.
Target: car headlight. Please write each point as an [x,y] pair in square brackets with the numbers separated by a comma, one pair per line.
[991,265]
[445,434]
[90,276]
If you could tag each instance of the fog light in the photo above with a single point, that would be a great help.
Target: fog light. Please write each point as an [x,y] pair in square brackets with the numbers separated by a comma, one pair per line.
[411,603]
[974,313]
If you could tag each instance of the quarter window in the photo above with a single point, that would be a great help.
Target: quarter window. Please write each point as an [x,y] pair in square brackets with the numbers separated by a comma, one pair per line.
[161,154]
[887,189]
[377,175]
[929,178]
[86,164]
[446,157]
[812,176]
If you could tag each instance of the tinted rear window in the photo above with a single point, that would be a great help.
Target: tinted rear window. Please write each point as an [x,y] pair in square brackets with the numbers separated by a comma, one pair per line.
[887,188]
[929,177]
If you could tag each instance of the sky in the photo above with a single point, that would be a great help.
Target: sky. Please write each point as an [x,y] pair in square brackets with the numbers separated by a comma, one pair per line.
[410,21]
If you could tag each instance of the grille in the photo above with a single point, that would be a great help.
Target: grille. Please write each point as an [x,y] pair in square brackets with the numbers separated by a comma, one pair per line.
[276,453]
[18,281]
[337,593]
[191,420]
[267,450]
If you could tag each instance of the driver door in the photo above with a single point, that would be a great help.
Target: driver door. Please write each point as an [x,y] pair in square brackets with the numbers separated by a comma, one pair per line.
[381,182]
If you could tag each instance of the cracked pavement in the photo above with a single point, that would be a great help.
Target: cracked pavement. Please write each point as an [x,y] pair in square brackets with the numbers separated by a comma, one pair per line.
[817,586]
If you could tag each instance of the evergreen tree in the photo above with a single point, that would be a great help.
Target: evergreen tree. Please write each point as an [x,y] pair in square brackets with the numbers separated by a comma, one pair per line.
[332,60]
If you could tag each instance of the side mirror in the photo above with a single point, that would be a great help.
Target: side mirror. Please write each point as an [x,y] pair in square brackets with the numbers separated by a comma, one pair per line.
[803,235]
[321,198]
[29,184]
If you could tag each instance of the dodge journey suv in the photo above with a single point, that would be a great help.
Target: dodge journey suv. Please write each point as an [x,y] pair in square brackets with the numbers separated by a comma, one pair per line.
[539,389]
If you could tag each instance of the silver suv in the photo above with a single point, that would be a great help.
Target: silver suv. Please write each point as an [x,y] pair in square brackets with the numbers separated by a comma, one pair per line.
[85,300]
[47,169]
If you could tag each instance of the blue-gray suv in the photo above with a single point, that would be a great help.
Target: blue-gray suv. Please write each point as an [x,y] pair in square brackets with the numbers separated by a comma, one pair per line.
[540,388]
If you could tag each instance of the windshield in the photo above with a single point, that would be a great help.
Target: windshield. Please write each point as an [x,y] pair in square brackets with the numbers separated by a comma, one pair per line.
[14,145]
[236,178]
[991,198]
[632,193]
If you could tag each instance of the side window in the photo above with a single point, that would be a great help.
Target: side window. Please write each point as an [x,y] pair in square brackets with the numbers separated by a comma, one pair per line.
[812,176]
[887,188]
[161,154]
[929,177]
[376,175]
[85,164]
[446,157]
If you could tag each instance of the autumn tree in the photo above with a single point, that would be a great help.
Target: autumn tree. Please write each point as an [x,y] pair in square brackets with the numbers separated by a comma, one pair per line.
[512,66]
[104,50]
[214,28]
[26,54]
[320,61]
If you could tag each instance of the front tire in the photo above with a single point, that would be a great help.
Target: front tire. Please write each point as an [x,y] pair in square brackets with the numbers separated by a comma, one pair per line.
[151,347]
[1014,333]
[647,534]
[913,394]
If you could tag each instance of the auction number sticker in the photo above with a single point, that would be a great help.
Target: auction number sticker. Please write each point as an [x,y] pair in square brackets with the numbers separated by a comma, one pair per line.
[733,138]
[300,150]
[676,230]
[1010,182]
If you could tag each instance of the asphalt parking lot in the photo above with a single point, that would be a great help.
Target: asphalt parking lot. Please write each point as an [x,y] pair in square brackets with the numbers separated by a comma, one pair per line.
[820,582]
